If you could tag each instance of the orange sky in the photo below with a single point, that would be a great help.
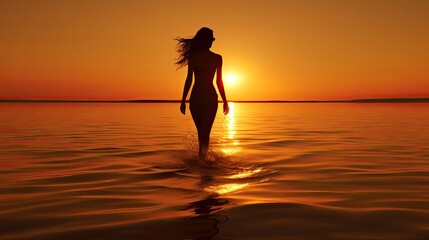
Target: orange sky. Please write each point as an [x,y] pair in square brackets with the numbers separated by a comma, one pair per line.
[277,49]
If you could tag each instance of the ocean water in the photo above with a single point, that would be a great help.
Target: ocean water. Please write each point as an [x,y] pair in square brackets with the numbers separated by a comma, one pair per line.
[275,171]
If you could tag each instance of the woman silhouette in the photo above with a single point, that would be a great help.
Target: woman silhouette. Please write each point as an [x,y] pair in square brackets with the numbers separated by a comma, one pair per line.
[203,63]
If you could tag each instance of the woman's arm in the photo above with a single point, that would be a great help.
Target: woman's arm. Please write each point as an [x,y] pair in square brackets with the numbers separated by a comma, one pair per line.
[220,86]
[187,86]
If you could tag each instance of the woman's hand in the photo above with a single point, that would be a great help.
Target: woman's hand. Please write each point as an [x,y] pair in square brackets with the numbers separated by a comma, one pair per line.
[225,108]
[183,108]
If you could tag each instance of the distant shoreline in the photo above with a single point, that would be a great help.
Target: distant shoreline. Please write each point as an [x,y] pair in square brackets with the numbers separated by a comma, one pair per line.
[375,100]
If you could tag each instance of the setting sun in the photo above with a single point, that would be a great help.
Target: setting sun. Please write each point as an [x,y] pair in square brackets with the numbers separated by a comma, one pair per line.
[231,79]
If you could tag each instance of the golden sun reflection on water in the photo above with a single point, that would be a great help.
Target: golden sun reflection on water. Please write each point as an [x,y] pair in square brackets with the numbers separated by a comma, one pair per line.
[230,145]
[245,173]
[225,188]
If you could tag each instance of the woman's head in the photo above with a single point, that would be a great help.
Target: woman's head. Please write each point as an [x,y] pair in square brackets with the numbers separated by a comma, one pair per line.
[203,40]
[200,42]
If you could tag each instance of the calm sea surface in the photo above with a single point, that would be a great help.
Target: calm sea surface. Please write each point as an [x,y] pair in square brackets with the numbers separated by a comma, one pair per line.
[276,171]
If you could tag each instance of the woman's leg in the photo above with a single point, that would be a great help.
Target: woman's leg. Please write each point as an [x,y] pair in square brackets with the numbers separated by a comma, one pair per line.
[197,115]
[206,126]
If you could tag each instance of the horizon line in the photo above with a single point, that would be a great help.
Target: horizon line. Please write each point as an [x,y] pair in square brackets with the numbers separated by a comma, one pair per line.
[362,100]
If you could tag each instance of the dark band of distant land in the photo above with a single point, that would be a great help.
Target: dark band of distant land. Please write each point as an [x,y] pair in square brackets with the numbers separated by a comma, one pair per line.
[375,100]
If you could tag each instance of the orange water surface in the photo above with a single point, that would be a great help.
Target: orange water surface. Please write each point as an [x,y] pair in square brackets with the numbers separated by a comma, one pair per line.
[275,171]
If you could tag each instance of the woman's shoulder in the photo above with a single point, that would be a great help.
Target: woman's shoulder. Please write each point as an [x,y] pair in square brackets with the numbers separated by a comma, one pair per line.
[217,56]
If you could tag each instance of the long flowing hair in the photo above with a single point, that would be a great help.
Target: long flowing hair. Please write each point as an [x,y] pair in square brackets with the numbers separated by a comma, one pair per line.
[187,46]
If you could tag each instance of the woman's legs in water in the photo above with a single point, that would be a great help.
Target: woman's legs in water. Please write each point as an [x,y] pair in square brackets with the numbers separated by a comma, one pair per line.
[203,116]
